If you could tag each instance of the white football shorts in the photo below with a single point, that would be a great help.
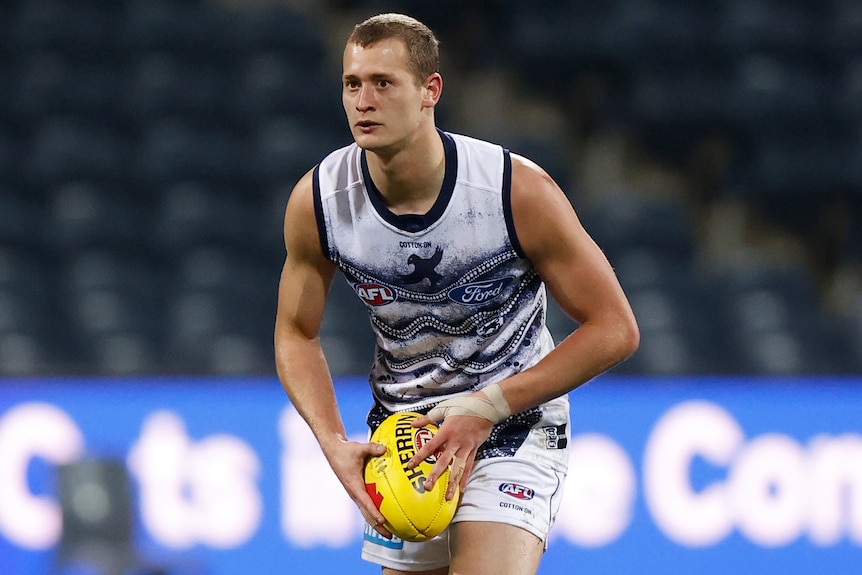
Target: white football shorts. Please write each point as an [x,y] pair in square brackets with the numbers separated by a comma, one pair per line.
[524,490]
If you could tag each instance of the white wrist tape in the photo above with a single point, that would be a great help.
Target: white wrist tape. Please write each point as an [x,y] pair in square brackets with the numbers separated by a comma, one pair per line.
[495,409]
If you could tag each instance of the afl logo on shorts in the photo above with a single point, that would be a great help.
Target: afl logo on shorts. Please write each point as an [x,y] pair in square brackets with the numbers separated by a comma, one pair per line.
[517,491]
[374,294]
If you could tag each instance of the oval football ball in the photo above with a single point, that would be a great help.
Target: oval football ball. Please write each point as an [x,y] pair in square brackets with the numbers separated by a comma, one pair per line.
[412,512]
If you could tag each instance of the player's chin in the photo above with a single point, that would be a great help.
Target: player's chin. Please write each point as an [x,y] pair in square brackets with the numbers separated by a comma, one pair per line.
[370,142]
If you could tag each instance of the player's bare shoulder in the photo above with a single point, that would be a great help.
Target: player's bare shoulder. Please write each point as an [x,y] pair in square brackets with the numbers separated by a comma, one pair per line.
[301,197]
[539,207]
[300,224]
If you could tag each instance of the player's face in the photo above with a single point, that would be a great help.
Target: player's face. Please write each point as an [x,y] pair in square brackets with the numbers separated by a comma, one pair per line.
[384,103]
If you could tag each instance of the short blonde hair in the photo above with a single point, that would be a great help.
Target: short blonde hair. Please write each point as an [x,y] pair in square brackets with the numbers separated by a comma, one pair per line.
[422,44]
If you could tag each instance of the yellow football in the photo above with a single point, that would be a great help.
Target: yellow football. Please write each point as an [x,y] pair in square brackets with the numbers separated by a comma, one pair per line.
[412,512]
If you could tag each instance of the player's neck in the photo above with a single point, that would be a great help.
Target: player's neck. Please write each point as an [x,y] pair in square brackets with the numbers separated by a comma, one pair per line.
[410,179]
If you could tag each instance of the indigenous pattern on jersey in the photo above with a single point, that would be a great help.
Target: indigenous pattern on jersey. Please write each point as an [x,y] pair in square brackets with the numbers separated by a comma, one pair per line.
[453,302]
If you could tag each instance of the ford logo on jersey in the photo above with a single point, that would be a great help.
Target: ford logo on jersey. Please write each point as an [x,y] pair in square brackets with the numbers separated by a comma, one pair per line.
[477,293]
[517,491]
[375,294]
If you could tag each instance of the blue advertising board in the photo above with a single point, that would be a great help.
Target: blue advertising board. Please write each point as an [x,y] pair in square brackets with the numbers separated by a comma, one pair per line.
[701,475]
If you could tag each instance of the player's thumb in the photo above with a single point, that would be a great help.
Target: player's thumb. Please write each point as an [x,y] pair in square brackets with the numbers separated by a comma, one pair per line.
[376,449]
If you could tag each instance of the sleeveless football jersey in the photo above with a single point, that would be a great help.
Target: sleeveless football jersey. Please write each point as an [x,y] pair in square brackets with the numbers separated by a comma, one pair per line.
[453,302]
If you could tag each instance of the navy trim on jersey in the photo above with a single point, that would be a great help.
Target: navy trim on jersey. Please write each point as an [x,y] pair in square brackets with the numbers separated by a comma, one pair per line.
[318,212]
[417,222]
[507,202]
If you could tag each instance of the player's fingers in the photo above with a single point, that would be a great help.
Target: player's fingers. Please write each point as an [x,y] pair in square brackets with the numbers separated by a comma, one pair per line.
[431,447]
[457,476]
[439,468]
[421,421]
[370,517]
[375,519]
[468,469]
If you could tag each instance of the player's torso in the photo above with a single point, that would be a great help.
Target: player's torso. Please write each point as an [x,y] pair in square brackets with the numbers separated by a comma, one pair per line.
[453,304]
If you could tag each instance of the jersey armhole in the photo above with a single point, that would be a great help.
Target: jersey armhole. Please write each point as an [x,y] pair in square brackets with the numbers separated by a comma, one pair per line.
[507,202]
[318,213]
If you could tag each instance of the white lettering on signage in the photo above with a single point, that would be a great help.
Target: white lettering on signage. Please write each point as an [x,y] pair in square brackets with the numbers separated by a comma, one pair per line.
[771,489]
[27,431]
[600,492]
[687,430]
[766,489]
[835,489]
[775,490]
[195,492]
[315,508]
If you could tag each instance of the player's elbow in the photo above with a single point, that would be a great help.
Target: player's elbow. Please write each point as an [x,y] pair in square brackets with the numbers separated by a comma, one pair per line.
[621,337]
[627,337]
[631,338]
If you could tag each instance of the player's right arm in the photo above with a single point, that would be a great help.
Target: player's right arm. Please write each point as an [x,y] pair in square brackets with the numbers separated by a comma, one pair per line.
[299,359]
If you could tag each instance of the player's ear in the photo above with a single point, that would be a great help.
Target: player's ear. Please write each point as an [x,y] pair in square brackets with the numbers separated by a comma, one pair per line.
[433,88]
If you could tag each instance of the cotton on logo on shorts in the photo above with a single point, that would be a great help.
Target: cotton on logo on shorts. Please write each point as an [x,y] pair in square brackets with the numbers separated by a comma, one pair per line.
[517,491]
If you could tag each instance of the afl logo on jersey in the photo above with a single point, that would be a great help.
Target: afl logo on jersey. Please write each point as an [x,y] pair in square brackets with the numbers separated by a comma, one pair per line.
[478,293]
[375,294]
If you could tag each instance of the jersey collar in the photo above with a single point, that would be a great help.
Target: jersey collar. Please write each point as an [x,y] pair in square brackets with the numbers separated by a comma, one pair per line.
[417,222]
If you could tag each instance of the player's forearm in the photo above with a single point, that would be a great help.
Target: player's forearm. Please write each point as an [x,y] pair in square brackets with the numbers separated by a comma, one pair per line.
[587,352]
[305,378]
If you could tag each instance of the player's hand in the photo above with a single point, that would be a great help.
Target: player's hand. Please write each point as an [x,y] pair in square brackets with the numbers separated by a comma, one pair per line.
[456,443]
[347,459]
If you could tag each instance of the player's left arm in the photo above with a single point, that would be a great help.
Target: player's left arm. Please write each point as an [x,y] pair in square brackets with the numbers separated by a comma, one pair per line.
[581,280]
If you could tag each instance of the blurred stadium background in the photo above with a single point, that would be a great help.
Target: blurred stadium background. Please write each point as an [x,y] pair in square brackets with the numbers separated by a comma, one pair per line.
[147,149]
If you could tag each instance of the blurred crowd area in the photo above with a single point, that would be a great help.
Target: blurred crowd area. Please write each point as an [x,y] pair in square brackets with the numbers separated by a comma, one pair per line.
[148,147]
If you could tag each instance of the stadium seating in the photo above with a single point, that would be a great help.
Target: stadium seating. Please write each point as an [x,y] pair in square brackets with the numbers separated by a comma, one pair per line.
[148,147]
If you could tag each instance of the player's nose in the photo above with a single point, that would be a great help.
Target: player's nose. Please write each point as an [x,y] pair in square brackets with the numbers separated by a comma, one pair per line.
[364,99]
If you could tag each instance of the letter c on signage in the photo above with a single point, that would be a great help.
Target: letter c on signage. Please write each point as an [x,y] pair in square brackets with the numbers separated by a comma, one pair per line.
[26,431]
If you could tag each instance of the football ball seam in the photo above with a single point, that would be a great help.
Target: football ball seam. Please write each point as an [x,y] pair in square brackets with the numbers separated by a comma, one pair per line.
[401,507]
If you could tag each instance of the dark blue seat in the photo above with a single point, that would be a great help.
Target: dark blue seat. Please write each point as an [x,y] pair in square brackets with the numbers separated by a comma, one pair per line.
[25,355]
[278,27]
[66,149]
[843,30]
[629,220]
[53,83]
[8,156]
[801,173]
[84,28]
[190,214]
[165,85]
[29,330]
[116,306]
[175,149]
[785,26]
[86,214]
[21,219]
[271,84]
[195,30]
[284,148]
[848,91]
[199,317]
[768,91]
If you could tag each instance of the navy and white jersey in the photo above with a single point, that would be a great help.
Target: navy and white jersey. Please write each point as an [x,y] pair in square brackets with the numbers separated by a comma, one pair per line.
[454,303]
